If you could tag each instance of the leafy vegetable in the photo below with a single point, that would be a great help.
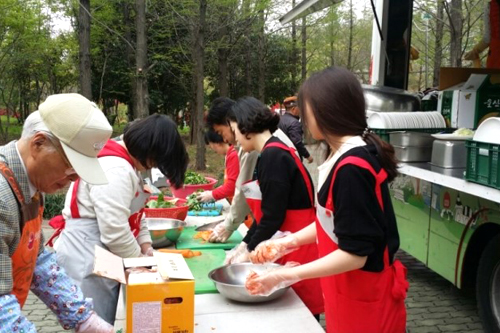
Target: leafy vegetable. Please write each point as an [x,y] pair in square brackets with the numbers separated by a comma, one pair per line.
[193,202]
[194,178]
[161,202]
[464,132]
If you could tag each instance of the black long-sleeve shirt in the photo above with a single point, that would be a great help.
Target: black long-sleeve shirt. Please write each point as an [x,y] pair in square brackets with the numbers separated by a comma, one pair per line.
[361,226]
[293,129]
[283,188]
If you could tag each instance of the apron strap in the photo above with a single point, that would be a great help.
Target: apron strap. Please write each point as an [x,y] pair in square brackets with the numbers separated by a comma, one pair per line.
[9,176]
[75,213]
[299,165]
[380,177]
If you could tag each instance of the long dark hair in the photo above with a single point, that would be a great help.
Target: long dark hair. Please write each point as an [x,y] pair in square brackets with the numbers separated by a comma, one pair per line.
[253,116]
[336,100]
[155,139]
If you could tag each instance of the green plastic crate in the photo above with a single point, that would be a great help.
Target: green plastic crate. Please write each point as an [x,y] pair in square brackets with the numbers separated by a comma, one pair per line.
[483,163]
[383,133]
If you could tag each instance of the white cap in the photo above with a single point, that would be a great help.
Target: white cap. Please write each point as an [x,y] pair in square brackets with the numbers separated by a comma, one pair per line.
[82,129]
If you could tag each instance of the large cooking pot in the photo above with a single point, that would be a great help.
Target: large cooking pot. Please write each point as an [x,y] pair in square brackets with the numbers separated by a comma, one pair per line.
[380,98]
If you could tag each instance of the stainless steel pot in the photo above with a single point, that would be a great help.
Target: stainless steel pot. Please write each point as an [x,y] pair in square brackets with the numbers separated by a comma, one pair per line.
[413,154]
[379,98]
[404,139]
[449,154]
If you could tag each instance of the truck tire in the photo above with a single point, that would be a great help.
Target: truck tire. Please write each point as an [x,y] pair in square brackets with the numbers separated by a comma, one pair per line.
[488,286]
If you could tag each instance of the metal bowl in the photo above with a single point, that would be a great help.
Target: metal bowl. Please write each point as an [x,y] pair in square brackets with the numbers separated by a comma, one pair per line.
[380,98]
[163,231]
[230,281]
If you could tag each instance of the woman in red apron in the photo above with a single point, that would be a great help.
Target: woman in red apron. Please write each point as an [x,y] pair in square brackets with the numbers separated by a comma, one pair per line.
[110,215]
[364,286]
[281,194]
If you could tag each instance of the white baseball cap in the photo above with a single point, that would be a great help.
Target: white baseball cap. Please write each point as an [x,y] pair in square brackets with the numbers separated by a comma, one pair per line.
[82,129]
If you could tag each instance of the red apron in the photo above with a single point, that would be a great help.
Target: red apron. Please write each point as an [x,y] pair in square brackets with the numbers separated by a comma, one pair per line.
[25,256]
[309,291]
[58,222]
[494,51]
[360,301]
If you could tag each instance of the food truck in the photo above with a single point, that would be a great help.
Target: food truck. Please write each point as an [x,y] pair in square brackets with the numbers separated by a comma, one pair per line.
[448,211]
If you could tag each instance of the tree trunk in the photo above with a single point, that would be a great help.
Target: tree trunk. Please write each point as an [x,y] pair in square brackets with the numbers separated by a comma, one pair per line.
[294,61]
[262,64]
[130,54]
[198,57]
[84,48]
[248,68]
[438,44]
[351,29]
[304,49]
[141,107]
[222,55]
[456,23]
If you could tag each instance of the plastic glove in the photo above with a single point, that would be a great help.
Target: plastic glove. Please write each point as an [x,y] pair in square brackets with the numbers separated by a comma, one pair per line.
[146,250]
[237,255]
[273,249]
[268,282]
[205,196]
[94,324]
[220,234]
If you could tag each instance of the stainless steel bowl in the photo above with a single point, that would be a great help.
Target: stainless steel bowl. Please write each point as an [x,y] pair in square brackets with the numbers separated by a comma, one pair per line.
[380,98]
[163,231]
[230,281]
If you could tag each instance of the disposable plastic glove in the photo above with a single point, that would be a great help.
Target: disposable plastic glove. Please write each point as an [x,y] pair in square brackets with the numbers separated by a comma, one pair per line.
[94,324]
[237,255]
[220,234]
[205,196]
[268,282]
[273,249]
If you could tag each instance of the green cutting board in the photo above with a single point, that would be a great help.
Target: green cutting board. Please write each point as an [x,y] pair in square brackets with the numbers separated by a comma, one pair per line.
[200,266]
[186,241]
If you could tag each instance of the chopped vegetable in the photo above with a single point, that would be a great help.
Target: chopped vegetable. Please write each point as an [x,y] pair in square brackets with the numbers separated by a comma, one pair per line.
[185,253]
[204,235]
[161,202]
[193,202]
[194,178]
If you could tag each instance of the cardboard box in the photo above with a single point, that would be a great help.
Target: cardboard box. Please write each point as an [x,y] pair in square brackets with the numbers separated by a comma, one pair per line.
[159,301]
[448,103]
[468,104]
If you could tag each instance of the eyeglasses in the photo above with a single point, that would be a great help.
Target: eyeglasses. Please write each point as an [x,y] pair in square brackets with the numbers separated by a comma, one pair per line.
[57,145]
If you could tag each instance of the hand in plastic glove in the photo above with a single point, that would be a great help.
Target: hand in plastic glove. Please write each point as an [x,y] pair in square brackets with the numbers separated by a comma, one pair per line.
[268,282]
[237,255]
[273,249]
[220,234]
[146,250]
[94,324]
[205,196]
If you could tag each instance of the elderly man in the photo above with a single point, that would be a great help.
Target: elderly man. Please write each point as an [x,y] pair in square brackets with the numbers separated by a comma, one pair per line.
[291,126]
[59,143]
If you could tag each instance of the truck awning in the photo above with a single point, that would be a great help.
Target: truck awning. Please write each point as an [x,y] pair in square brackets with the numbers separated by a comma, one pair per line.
[307,7]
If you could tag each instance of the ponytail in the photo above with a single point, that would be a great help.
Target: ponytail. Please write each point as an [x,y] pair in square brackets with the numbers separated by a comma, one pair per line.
[385,154]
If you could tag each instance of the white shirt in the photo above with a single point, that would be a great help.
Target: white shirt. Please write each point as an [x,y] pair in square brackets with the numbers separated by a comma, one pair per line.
[325,168]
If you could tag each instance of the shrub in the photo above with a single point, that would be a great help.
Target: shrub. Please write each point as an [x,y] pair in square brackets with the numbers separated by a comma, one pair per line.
[54,204]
